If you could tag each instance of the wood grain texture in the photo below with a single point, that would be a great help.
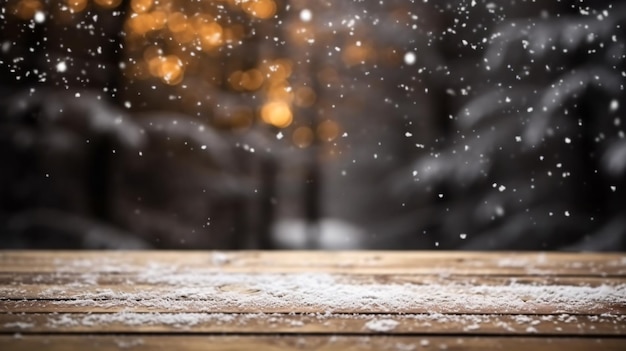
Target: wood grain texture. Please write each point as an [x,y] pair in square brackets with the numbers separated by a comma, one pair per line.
[347,262]
[320,343]
[311,300]
[276,323]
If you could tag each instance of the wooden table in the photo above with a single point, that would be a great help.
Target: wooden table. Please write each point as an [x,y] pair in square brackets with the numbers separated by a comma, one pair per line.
[311,300]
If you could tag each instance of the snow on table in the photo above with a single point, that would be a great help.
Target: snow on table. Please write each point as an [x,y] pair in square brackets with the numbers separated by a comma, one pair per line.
[311,300]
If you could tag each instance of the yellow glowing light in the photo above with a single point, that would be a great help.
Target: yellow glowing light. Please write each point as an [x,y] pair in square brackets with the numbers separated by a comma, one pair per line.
[302,137]
[211,35]
[154,66]
[152,52]
[141,6]
[109,4]
[248,80]
[328,130]
[277,70]
[185,36]
[146,22]
[262,9]
[26,9]
[234,33]
[280,91]
[235,80]
[177,22]
[252,79]
[160,18]
[305,97]
[277,113]
[171,70]
[76,6]
[198,19]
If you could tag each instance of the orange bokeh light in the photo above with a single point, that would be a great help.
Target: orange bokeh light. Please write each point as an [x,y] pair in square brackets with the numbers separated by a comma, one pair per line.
[328,130]
[76,6]
[109,4]
[145,22]
[262,9]
[302,137]
[169,68]
[235,80]
[234,33]
[252,79]
[277,70]
[141,6]
[249,80]
[280,90]
[211,35]
[177,22]
[26,9]
[305,97]
[277,113]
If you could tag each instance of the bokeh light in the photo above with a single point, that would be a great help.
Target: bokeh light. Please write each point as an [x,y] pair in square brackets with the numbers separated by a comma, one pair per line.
[141,6]
[26,9]
[305,96]
[328,130]
[211,35]
[108,4]
[277,113]
[303,137]
[76,6]
[262,9]
[168,68]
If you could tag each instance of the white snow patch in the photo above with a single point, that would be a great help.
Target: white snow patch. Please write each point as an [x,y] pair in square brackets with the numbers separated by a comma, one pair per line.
[381,325]
[19,325]
[177,289]
[128,343]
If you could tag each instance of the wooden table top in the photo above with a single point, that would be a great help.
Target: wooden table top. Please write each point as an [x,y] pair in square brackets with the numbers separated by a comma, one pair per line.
[164,300]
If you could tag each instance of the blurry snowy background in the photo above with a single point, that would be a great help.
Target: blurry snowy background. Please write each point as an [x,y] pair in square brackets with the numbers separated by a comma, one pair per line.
[234,124]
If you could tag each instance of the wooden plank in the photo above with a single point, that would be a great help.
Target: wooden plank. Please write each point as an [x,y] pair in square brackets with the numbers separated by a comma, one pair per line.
[322,343]
[186,306]
[166,278]
[301,293]
[191,306]
[311,300]
[313,323]
[358,262]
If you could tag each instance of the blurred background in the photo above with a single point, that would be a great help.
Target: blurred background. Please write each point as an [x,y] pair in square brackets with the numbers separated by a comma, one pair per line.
[291,124]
